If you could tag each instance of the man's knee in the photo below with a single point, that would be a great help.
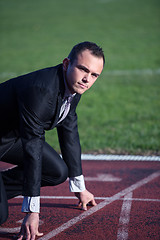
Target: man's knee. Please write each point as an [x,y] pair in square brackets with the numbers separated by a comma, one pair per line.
[55,178]
[54,168]
[62,174]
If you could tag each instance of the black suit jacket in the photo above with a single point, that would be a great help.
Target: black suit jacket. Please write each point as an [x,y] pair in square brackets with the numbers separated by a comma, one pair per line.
[29,105]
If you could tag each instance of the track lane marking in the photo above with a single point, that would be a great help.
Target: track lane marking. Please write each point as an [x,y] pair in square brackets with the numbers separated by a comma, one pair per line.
[112,157]
[98,198]
[100,206]
[101,177]
[15,229]
[124,217]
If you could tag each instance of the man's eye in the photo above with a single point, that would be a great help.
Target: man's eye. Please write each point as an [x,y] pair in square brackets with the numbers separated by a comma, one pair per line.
[94,75]
[83,69]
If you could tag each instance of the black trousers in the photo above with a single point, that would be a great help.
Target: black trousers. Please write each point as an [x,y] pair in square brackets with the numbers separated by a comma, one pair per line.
[54,169]
[3,202]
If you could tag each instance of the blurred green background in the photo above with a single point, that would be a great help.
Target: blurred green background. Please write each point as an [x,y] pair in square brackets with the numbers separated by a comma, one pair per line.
[121,112]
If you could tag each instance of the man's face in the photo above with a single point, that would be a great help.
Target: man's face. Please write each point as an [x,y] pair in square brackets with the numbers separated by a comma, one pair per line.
[83,72]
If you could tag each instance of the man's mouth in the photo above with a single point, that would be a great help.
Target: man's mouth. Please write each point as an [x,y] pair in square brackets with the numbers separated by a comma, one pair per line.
[83,85]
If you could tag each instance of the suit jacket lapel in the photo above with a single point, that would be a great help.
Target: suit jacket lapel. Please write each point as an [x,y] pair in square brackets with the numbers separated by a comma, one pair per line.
[61,90]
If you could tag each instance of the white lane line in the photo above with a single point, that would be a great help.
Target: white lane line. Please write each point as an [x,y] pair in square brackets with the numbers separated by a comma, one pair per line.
[103,178]
[98,198]
[100,206]
[124,217]
[142,200]
[16,229]
[110,157]
[9,230]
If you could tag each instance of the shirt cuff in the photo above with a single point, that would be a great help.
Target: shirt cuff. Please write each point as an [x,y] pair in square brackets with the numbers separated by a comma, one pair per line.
[31,204]
[77,184]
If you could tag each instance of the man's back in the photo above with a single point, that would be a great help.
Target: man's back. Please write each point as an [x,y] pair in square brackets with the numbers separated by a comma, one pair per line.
[31,90]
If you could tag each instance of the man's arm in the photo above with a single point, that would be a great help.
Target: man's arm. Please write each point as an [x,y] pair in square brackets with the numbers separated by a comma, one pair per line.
[71,152]
[33,111]
[34,108]
[32,204]
[69,140]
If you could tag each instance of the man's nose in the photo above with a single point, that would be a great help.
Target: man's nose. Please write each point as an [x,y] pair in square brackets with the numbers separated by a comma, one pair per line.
[86,78]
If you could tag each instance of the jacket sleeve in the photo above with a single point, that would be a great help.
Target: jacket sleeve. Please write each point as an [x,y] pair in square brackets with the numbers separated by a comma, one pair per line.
[69,141]
[34,108]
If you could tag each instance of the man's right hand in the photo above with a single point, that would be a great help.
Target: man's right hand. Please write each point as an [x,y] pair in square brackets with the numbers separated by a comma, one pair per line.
[85,198]
[29,228]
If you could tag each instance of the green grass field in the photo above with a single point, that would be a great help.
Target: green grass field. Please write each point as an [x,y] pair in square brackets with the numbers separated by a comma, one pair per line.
[121,113]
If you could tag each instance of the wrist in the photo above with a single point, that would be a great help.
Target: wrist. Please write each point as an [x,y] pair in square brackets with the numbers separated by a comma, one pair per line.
[77,184]
[31,204]
[34,215]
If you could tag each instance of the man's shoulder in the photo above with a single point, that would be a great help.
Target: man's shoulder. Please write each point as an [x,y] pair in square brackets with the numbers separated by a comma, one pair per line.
[50,70]
[44,78]
[42,73]
[46,73]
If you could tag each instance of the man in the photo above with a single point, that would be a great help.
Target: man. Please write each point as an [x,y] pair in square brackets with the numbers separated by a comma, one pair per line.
[30,105]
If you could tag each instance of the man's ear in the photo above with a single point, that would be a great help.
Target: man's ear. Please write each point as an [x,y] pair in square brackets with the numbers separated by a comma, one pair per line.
[66,62]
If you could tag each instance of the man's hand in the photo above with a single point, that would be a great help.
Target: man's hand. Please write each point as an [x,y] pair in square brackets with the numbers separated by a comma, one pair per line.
[85,198]
[29,228]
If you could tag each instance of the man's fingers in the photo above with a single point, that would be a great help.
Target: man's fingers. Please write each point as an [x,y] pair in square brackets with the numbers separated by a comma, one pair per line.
[84,206]
[85,198]
[39,234]
[93,202]
[79,204]
[19,237]
[34,232]
[33,237]
[28,235]
[21,234]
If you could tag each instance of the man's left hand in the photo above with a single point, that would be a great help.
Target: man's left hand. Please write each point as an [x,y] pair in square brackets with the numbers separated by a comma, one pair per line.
[29,228]
[85,198]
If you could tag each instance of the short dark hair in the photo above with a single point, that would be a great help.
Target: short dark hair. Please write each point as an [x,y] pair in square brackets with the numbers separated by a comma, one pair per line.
[80,47]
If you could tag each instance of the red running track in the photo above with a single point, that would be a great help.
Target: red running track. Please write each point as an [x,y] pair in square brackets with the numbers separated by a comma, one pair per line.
[128,205]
